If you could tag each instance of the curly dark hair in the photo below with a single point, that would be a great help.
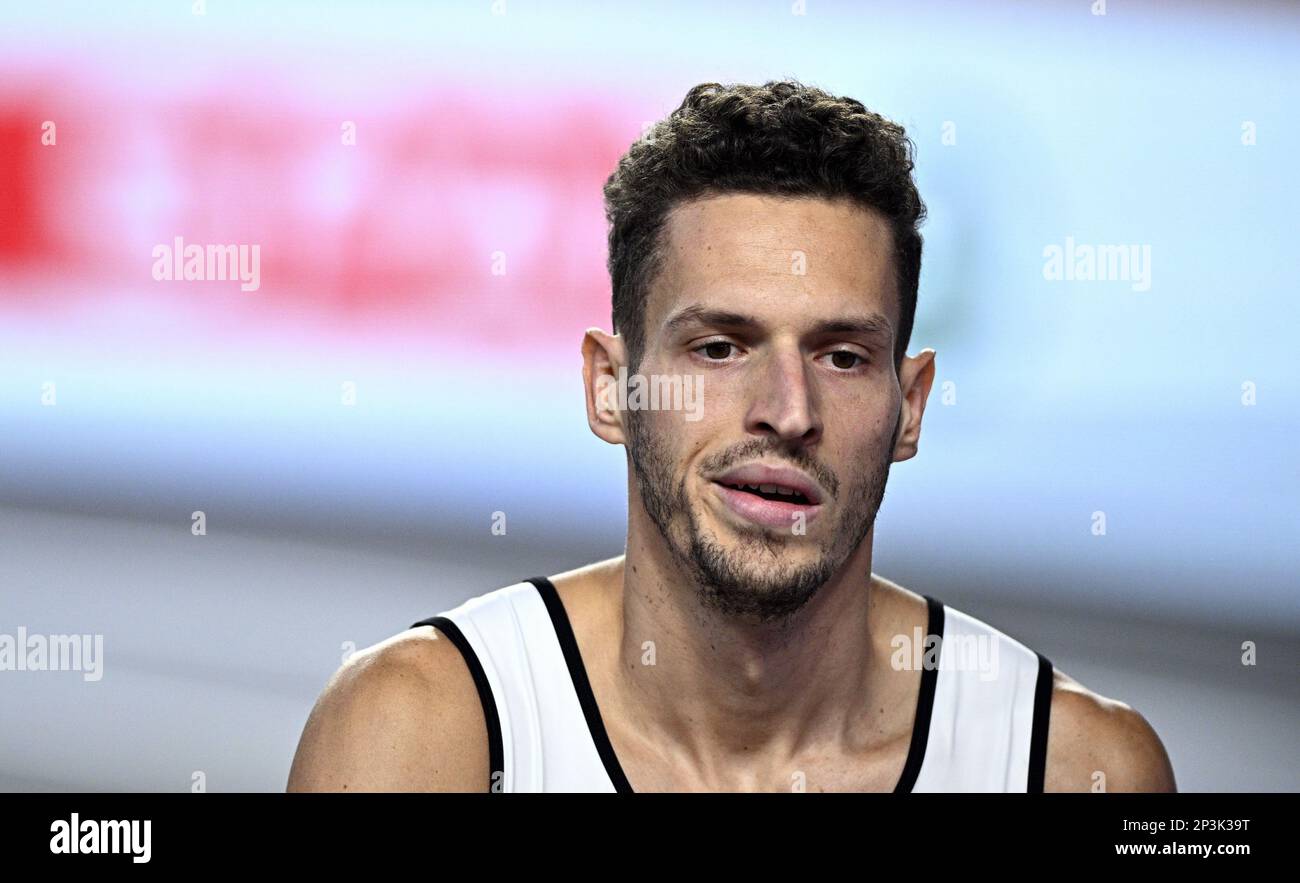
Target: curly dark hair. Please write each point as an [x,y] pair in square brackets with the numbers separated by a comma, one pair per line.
[781,138]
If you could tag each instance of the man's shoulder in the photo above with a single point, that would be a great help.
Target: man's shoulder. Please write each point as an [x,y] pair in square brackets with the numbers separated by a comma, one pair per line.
[401,715]
[1096,743]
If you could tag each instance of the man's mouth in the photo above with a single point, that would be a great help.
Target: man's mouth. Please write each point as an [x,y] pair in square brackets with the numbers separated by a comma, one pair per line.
[773,496]
[779,493]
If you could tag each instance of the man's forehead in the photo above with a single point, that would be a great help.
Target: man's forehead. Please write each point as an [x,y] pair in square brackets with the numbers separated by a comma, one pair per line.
[773,257]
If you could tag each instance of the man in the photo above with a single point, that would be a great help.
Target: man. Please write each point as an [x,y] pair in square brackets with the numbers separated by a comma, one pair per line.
[763,252]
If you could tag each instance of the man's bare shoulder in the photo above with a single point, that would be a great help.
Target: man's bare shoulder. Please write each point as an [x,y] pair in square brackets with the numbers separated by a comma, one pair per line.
[898,608]
[592,597]
[596,576]
[402,715]
[1095,743]
[1088,734]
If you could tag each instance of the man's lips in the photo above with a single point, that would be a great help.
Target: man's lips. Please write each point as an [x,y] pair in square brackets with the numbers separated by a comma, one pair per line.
[781,481]
[773,496]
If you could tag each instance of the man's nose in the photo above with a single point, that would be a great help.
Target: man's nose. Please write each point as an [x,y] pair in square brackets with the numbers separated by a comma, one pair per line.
[784,401]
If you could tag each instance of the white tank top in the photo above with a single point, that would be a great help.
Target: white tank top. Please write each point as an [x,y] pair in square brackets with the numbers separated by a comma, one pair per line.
[981,716]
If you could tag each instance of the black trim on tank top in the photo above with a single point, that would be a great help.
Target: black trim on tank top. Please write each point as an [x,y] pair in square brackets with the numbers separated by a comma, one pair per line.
[596,725]
[924,701]
[581,684]
[496,753]
[1042,719]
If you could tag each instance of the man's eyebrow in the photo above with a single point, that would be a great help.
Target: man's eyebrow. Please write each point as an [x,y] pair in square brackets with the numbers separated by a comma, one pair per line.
[697,313]
[868,325]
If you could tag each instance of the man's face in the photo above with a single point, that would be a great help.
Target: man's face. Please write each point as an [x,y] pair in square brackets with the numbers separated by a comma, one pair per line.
[787,309]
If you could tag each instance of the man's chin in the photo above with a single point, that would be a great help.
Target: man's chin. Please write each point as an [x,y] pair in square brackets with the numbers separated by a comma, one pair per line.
[755,578]
[759,596]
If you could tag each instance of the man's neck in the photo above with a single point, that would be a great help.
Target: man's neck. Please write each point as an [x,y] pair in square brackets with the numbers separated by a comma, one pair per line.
[741,696]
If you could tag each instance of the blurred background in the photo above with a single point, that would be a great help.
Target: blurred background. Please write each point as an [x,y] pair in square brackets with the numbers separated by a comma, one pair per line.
[423,181]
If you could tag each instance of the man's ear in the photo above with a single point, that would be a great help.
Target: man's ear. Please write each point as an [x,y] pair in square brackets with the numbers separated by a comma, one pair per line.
[915,377]
[602,356]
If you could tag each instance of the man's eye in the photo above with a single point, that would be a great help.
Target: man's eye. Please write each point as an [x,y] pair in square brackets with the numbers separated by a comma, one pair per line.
[717,350]
[846,360]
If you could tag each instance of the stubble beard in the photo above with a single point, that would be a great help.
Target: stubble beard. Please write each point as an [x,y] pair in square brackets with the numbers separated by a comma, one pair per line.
[752,580]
